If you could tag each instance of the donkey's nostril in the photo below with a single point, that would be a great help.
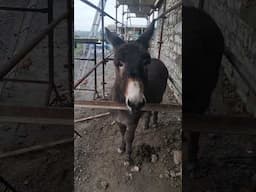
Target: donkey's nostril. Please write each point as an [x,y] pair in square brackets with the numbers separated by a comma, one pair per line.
[135,106]
[129,103]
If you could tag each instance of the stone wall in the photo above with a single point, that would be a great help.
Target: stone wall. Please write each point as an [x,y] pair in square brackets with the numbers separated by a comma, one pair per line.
[171,46]
[240,38]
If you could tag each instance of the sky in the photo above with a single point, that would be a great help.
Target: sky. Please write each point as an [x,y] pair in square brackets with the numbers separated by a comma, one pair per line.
[84,14]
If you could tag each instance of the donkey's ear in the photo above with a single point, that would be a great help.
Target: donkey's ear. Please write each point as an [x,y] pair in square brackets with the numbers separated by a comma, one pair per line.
[113,38]
[147,35]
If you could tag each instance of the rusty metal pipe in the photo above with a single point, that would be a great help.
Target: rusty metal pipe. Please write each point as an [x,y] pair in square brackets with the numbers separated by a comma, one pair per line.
[92,70]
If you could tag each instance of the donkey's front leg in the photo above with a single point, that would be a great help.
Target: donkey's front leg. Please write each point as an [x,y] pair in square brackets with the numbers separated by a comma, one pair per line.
[147,116]
[155,118]
[122,127]
[129,137]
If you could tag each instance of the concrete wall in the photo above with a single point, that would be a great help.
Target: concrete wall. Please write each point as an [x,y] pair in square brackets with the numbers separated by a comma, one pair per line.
[171,47]
[234,17]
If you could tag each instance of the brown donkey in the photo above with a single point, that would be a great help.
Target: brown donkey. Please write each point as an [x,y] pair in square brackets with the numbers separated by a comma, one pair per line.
[139,79]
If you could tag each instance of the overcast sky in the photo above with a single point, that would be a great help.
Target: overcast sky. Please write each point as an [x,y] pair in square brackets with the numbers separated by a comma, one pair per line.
[84,14]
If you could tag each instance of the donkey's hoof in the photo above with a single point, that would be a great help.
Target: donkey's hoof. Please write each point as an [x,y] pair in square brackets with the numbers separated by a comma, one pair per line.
[127,163]
[120,150]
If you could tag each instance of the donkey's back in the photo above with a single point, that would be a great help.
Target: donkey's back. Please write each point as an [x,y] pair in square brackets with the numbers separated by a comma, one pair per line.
[157,80]
[155,88]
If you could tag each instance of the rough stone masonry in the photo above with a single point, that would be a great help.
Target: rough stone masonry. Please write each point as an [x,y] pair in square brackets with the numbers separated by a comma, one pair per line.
[171,46]
[236,19]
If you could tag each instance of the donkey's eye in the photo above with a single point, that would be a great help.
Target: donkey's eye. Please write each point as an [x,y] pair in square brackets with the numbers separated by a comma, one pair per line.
[120,64]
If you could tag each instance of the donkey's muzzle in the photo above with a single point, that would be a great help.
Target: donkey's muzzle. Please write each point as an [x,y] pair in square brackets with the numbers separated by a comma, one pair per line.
[135,106]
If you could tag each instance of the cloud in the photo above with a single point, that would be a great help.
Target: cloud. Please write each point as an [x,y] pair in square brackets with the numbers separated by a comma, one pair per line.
[84,15]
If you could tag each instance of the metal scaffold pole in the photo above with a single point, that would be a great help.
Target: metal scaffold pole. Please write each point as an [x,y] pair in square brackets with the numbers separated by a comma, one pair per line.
[116,14]
[103,52]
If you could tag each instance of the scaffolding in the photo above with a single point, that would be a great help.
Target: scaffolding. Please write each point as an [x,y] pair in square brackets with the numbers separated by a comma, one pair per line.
[47,115]
[143,10]
[198,123]
[48,31]
[64,116]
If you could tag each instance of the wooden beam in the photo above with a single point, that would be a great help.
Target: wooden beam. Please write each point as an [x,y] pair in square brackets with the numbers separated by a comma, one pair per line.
[219,124]
[36,148]
[92,117]
[37,115]
[175,108]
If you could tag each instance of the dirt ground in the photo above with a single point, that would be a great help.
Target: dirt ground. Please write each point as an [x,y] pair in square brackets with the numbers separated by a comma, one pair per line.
[99,167]
[49,170]
[226,162]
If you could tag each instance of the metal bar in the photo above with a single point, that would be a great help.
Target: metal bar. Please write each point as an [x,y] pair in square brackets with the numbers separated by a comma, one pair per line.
[123,16]
[70,49]
[161,33]
[95,70]
[174,108]
[219,124]
[116,15]
[37,115]
[84,59]
[103,51]
[86,75]
[36,148]
[88,41]
[25,81]
[29,46]
[42,10]
[99,9]
[50,50]
[169,10]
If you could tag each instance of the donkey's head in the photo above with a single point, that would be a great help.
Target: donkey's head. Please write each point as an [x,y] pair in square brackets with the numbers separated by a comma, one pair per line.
[131,61]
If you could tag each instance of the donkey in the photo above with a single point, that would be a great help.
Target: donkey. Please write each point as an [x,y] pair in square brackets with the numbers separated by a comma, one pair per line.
[202,50]
[139,79]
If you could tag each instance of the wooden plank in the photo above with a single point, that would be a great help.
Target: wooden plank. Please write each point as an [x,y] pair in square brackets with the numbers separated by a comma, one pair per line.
[92,117]
[37,115]
[174,108]
[219,124]
[42,121]
[35,148]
